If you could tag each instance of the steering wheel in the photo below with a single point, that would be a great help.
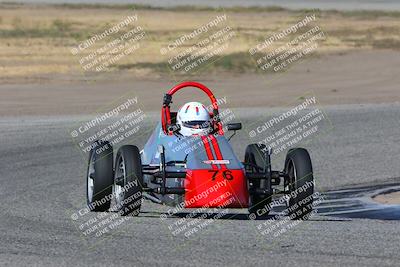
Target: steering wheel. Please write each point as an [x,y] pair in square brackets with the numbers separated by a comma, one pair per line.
[166,113]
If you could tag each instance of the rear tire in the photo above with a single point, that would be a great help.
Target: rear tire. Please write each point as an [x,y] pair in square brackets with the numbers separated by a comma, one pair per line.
[255,155]
[99,178]
[300,183]
[128,180]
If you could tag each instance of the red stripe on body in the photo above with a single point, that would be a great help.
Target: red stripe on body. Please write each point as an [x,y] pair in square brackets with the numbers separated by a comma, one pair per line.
[218,153]
[208,151]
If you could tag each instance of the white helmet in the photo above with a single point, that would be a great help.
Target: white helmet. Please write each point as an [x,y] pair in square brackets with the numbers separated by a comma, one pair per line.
[193,119]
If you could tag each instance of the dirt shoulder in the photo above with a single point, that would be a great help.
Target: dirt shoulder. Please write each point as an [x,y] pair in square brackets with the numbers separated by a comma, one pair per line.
[356,62]
[351,78]
[37,40]
[390,198]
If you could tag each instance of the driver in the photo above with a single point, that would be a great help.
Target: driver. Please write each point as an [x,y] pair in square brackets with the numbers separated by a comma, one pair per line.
[193,119]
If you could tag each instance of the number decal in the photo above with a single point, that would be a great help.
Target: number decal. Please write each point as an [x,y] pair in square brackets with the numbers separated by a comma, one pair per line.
[227,174]
[215,173]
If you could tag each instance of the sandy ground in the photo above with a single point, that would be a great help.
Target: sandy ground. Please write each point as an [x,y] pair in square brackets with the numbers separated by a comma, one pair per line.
[351,78]
[390,198]
[36,40]
[341,4]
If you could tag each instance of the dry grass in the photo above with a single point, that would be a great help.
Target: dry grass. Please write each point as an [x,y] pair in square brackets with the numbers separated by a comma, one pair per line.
[36,40]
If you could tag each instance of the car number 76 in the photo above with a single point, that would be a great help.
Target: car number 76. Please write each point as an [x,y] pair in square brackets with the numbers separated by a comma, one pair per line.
[227,174]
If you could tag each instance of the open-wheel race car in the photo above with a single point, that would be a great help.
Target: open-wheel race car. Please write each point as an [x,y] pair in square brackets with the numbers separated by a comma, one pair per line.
[197,168]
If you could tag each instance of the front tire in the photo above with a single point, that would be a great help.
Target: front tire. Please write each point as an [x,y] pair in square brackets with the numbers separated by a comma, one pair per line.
[128,180]
[99,178]
[300,183]
[255,155]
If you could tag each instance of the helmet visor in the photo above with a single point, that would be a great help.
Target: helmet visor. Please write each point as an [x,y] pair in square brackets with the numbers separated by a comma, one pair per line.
[196,124]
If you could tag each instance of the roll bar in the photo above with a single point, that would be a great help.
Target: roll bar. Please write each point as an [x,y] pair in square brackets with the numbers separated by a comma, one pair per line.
[166,112]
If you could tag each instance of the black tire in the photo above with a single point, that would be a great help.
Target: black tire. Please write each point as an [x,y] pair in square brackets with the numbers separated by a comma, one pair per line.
[99,176]
[128,175]
[300,182]
[255,155]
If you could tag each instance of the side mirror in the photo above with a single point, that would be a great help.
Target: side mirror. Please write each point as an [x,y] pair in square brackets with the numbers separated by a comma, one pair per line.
[234,126]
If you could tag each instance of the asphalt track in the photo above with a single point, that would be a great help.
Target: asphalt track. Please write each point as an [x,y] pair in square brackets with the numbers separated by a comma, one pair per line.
[43,185]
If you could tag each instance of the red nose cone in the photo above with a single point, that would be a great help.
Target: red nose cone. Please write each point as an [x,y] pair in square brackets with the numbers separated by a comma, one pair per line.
[221,188]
